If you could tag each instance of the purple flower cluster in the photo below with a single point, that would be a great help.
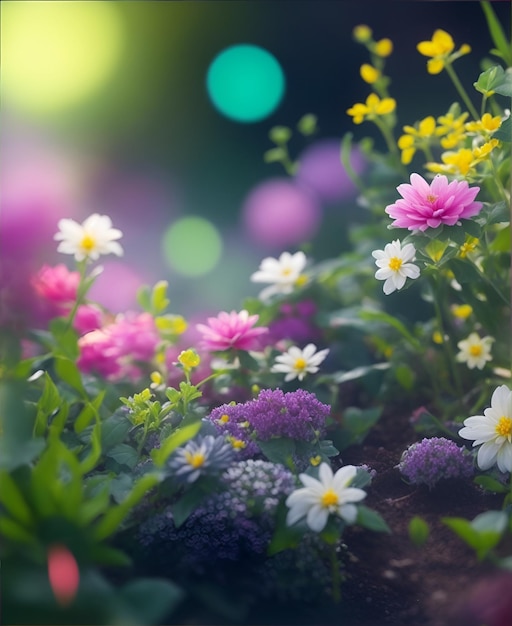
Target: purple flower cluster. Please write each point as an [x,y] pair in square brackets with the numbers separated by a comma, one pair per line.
[434,459]
[229,525]
[297,415]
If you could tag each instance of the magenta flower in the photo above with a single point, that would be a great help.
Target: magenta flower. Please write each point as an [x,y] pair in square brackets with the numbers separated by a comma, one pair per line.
[57,286]
[231,330]
[117,351]
[425,206]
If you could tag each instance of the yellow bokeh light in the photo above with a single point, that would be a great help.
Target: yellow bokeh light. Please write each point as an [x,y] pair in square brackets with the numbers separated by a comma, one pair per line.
[57,54]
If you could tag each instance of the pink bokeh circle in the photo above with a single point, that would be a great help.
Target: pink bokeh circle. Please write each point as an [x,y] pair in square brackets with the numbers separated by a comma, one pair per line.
[279,213]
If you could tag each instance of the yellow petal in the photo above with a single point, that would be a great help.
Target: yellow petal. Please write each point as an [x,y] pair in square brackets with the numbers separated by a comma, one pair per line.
[435,66]
[384,47]
[387,105]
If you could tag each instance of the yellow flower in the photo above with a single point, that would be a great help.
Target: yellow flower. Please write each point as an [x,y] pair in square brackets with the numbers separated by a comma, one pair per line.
[315,460]
[362,33]
[383,48]
[171,324]
[440,48]
[189,359]
[488,124]
[451,129]
[468,247]
[462,311]
[374,106]
[369,73]
[482,152]
[460,162]
[437,337]
[414,138]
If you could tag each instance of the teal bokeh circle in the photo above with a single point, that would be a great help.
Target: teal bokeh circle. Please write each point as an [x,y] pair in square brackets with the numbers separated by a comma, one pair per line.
[245,83]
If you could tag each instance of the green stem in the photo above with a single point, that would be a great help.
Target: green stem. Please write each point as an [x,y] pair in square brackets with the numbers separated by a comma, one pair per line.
[81,291]
[447,346]
[461,90]
[391,144]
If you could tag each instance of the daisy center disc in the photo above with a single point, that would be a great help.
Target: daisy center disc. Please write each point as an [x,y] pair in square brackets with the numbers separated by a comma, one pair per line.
[504,426]
[330,498]
[395,263]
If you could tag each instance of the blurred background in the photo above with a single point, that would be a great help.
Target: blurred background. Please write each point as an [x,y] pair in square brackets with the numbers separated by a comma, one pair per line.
[136,110]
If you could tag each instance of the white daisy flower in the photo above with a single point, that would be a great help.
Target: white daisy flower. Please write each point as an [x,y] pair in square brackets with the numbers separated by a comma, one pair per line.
[95,236]
[284,273]
[492,431]
[394,265]
[475,351]
[296,363]
[319,498]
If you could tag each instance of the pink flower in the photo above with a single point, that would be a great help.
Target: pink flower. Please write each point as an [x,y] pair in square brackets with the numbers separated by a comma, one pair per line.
[425,206]
[57,286]
[231,330]
[117,351]
[88,317]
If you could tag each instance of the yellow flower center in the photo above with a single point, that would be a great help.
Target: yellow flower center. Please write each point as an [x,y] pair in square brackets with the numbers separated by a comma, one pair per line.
[88,243]
[395,263]
[475,350]
[238,444]
[504,426]
[195,459]
[286,271]
[330,498]
[300,364]
[431,198]
[224,419]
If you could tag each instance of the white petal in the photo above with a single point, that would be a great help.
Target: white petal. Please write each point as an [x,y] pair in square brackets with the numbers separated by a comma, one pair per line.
[505,457]
[325,474]
[487,454]
[343,476]
[317,518]
[348,512]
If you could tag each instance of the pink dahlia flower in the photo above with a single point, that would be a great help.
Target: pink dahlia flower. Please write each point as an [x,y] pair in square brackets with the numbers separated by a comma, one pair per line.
[118,350]
[57,286]
[425,206]
[231,330]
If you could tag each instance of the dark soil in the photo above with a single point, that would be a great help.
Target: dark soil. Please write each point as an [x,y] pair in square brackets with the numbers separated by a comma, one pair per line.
[391,581]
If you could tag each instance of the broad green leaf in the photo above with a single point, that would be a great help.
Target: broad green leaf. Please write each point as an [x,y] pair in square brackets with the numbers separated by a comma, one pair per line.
[274,155]
[278,450]
[504,132]
[248,362]
[368,518]
[280,134]
[491,484]
[13,500]
[307,125]
[48,403]
[186,505]
[179,437]
[285,537]
[355,426]
[120,487]
[114,430]
[144,298]
[501,242]
[66,338]
[380,316]
[124,455]
[405,376]
[482,541]
[13,531]
[94,506]
[493,521]
[106,555]
[419,531]
[116,514]
[159,300]
[150,600]
[14,455]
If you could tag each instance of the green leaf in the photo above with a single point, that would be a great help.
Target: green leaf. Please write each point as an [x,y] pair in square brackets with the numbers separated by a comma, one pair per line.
[274,155]
[187,504]
[179,437]
[464,271]
[124,455]
[67,371]
[498,35]
[491,484]
[89,412]
[15,455]
[278,450]
[114,430]
[307,125]
[248,362]
[285,537]
[120,487]
[489,80]
[280,134]
[159,300]
[13,500]
[355,426]
[504,132]
[94,506]
[354,374]
[368,518]
[490,521]
[150,600]
[482,534]
[13,531]
[106,555]
[144,298]
[65,336]
[380,316]
[116,514]
[419,531]
[48,402]
[501,242]
[92,459]
[405,376]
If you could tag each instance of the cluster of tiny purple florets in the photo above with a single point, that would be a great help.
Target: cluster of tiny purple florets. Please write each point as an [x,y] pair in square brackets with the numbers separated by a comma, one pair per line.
[235,522]
[296,415]
[434,459]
